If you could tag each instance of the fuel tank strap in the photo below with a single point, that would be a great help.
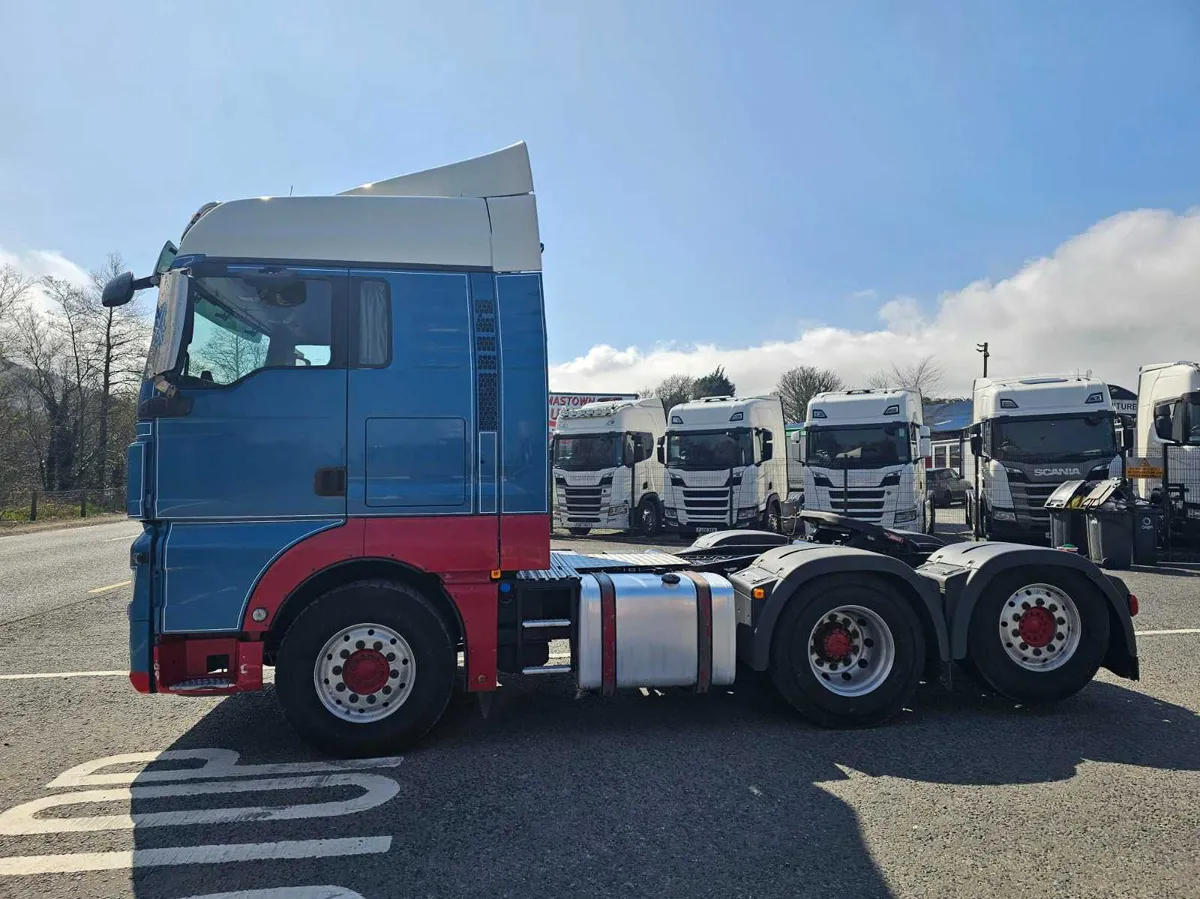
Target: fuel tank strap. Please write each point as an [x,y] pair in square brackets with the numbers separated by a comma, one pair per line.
[608,634]
[704,631]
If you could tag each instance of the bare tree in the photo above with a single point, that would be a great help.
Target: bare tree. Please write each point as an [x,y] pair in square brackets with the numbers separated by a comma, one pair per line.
[15,288]
[673,390]
[121,335]
[229,356]
[924,376]
[799,385]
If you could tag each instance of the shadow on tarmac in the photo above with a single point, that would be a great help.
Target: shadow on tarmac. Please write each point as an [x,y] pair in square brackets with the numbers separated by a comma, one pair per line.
[660,795]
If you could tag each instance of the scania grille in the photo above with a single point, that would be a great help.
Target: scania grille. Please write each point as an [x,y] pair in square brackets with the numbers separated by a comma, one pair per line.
[710,504]
[1030,500]
[863,503]
[583,502]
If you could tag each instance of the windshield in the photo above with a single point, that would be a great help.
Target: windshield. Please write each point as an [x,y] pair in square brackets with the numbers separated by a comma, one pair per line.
[1053,439]
[586,452]
[705,450]
[215,331]
[1193,419]
[863,446]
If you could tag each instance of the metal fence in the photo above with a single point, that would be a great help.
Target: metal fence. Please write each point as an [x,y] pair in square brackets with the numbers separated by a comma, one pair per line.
[1177,495]
[24,505]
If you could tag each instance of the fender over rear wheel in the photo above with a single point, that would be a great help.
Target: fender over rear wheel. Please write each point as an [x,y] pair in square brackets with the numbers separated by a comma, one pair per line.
[847,651]
[1038,634]
[365,670]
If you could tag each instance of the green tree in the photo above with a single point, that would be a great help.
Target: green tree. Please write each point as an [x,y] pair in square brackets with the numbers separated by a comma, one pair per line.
[715,383]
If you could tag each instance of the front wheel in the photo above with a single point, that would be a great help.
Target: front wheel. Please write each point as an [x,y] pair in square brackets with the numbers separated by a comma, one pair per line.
[649,520]
[366,670]
[848,651]
[772,519]
[1039,634]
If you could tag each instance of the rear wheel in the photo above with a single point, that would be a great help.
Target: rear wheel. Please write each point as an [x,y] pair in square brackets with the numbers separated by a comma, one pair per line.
[365,670]
[649,520]
[579,532]
[847,651]
[1039,634]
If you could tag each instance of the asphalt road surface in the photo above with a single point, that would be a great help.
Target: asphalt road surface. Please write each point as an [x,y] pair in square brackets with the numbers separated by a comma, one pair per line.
[656,794]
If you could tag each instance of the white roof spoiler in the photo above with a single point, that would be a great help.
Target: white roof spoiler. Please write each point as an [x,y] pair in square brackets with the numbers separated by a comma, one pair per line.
[505,173]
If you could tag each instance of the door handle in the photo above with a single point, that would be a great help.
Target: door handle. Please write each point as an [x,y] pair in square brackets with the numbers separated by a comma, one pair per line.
[330,482]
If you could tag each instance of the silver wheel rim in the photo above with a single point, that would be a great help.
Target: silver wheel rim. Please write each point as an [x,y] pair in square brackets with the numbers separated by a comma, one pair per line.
[1040,627]
[364,673]
[851,651]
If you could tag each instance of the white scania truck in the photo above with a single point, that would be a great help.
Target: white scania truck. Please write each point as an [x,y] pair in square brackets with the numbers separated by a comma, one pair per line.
[606,473]
[1032,434]
[1168,439]
[864,455]
[721,466]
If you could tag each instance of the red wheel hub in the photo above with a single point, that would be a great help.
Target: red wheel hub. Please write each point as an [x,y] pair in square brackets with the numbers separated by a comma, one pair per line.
[1037,626]
[365,672]
[836,643]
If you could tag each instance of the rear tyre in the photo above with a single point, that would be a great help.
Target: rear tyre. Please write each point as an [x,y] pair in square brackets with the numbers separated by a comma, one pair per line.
[847,651]
[366,670]
[1038,634]
[579,532]
[649,519]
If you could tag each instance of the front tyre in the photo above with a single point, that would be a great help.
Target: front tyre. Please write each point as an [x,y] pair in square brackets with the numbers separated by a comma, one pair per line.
[366,670]
[1039,634]
[847,651]
[772,519]
[649,519]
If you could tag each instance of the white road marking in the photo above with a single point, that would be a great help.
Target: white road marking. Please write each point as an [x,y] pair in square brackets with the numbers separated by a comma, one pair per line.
[96,590]
[1179,630]
[21,820]
[322,892]
[64,674]
[128,539]
[191,855]
[217,763]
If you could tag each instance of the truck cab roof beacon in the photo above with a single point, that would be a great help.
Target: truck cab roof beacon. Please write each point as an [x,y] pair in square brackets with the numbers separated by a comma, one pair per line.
[342,470]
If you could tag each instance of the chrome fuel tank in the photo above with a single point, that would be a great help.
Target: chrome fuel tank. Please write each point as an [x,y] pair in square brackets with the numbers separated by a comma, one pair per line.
[660,631]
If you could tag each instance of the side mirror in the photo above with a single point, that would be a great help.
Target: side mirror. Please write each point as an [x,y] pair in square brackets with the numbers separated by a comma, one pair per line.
[926,447]
[802,450]
[165,257]
[662,455]
[118,291]
[1127,436]
[768,448]
[976,445]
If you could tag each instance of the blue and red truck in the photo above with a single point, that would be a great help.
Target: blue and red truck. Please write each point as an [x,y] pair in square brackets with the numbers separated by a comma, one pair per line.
[342,470]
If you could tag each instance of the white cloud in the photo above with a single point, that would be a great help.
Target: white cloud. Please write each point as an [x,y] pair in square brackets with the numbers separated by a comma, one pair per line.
[45,263]
[1124,293]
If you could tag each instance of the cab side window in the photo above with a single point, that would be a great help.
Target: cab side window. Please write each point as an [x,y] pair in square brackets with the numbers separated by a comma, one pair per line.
[642,446]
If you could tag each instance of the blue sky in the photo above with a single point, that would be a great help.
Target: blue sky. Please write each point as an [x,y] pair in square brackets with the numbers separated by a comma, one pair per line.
[708,173]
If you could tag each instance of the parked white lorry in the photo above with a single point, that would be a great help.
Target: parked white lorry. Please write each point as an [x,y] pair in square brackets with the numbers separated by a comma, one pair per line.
[864,455]
[606,472]
[721,465]
[1169,415]
[1029,435]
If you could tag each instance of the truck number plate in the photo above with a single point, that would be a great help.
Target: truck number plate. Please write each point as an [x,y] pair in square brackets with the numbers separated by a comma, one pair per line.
[714,530]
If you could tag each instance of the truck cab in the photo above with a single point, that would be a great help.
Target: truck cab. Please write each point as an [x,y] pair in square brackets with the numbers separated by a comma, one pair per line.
[606,469]
[1032,434]
[864,457]
[1168,439]
[722,468]
[338,387]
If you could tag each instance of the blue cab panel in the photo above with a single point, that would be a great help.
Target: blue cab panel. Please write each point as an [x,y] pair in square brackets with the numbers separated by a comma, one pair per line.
[210,568]
[526,480]
[416,462]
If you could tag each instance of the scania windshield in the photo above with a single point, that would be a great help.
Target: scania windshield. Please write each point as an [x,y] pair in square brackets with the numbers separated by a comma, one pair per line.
[859,446]
[710,450]
[586,452]
[1050,439]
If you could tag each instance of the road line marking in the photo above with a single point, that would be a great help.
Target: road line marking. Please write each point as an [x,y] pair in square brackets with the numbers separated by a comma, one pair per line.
[73,863]
[128,539]
[1180,630]
[218,763]
[22,820]
[50,674]
[321,892]
[110,587]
